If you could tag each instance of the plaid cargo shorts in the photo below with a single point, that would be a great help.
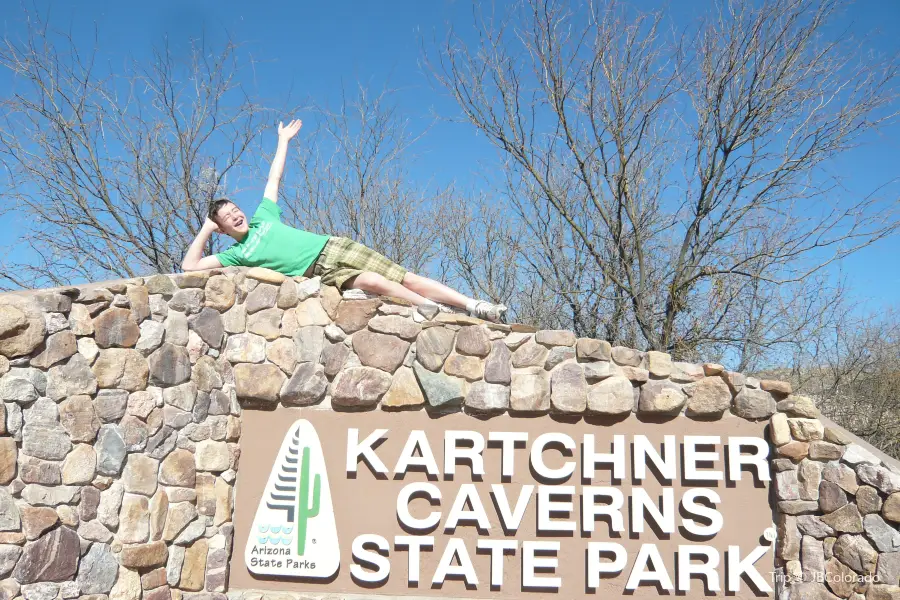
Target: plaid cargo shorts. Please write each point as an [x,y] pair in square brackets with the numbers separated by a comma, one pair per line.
[342,259]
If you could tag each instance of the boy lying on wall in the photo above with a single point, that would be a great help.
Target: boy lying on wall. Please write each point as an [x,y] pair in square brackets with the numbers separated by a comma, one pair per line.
[264,241]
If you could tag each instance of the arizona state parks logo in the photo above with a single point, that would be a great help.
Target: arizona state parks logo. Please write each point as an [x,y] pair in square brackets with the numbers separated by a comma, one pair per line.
[294,533]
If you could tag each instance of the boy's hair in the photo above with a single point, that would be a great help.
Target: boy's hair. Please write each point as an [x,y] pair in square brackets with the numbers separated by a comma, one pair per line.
[215,206]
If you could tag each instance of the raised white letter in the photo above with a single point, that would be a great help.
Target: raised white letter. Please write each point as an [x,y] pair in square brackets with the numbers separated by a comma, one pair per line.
[590,511]
[355,450]
[692,456]
[738,567]
[590,458]
[644,449]
[508,441]
[403,499]
[546,506]
[511,519]
[458,512]
[639,573]
[455,547]
[408,458]
[641,502]
[381,563]
[692,507]
[759,459]
[497,548]
[415,543]
[537,456]
[531,562]
[452,452]
[707,569]
[595,566]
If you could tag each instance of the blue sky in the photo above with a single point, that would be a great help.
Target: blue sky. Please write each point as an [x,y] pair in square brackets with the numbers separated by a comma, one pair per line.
[308,50]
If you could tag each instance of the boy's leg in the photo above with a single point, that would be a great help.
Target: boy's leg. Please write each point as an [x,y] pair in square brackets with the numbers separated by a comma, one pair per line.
[378,284]
[373,272]
[438,292]
[435,290]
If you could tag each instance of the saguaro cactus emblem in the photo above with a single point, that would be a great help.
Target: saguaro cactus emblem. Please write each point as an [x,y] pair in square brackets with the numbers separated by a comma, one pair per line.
[293,496]
[304,510]
[296,502]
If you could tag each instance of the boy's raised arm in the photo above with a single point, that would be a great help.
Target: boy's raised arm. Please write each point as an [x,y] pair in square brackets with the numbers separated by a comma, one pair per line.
[275,171]
[194,259]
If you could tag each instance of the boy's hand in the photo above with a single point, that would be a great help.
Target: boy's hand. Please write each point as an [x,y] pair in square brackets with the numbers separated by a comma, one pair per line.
[286,133]
[211,226]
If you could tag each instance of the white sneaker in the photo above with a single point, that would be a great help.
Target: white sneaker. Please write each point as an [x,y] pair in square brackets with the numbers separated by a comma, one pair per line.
[444,308]
[495,313]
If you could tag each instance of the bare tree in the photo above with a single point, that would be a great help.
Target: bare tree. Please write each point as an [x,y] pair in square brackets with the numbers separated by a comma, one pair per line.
[354,181]
[677,189]
[112,168]
[480,243]
[852,369]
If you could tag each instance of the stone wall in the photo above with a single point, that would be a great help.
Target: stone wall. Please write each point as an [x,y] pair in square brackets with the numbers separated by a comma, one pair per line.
[120,423]
[838,506]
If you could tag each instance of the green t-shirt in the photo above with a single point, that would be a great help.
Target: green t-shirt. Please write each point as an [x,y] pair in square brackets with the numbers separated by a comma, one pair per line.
[272,244]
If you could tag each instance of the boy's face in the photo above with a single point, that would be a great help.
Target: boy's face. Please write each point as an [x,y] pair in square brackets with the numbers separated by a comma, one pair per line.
[232,220]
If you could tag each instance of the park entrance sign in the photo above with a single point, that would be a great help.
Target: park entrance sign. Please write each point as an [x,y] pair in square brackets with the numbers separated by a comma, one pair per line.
[238,435]
[407,503]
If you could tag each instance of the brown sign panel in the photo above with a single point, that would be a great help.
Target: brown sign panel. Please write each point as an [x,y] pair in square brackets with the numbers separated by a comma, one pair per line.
[407,503]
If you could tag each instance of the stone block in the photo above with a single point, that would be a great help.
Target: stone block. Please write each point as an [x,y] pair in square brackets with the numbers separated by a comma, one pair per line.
[855,552]
[497,366]
[439,389]
[134,519]
[612,396]
[144,556]
[710,398]
[568,389]
[661,398]
[754,404]
[798,406]
[378,350]
[353,315]
[116,327]
[52,557]
[245,348]
[591,349]
[258,382]
[401,327]
[433,346]
[660,364]
[212,456]
[169,365]
[307,385]
[140,474]
[71,379]
[488,397]
[178,469]
[219,293]
[626,357]
[470,368]
[891,508]
[806,430]
[845,519]
[779,430]
[530,354]
[530,390]
[473,340]
[80,465]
